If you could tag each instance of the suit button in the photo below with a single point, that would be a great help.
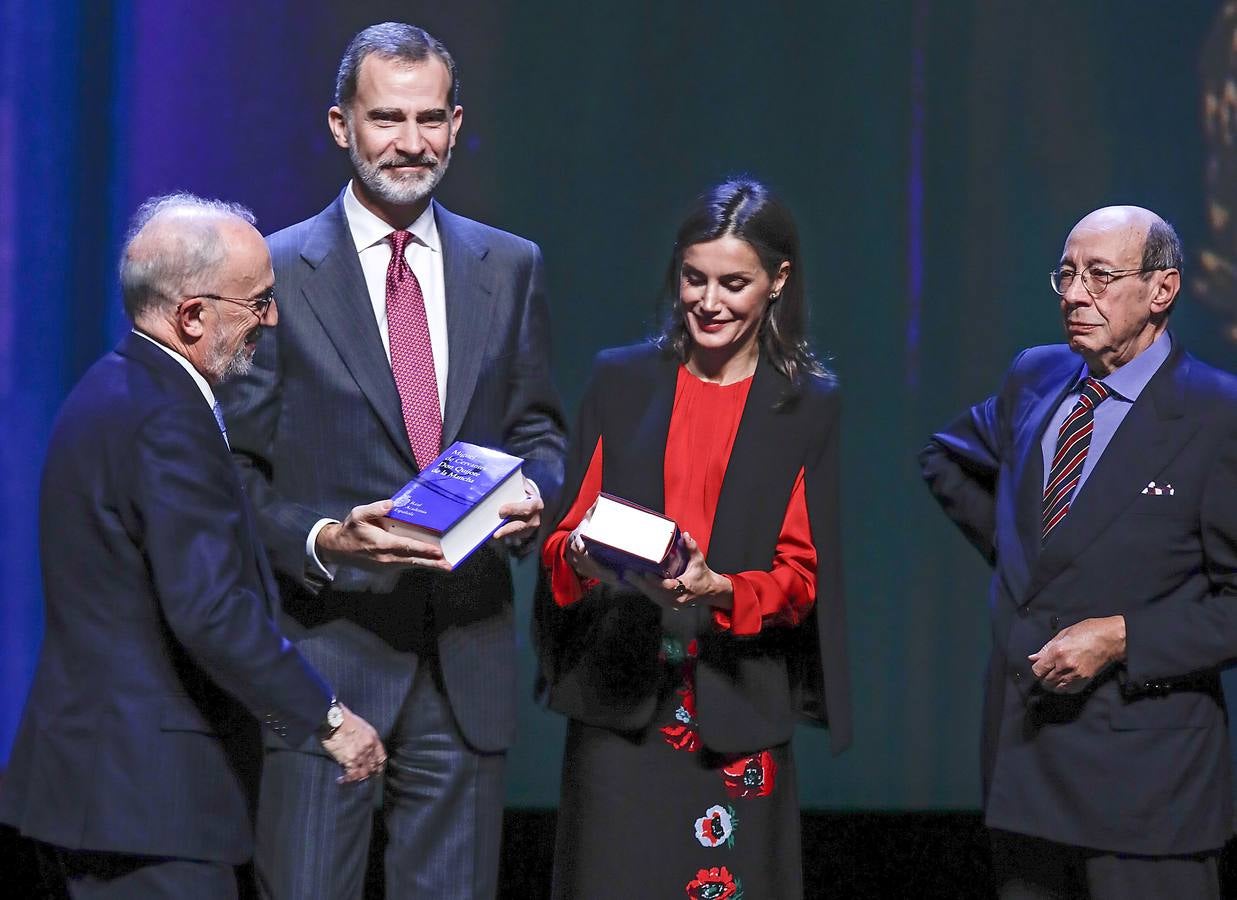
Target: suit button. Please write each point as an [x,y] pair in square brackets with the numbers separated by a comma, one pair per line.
[1017,675]
[1056,623]
[1024,611]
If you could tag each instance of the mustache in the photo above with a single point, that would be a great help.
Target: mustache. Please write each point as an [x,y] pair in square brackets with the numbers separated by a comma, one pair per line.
[424,160]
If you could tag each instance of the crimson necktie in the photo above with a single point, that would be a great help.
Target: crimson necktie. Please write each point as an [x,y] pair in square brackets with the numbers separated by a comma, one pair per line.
[412,355]
[1073,439]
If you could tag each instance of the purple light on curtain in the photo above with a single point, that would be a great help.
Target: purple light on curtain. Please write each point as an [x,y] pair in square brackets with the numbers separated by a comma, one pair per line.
[915,192]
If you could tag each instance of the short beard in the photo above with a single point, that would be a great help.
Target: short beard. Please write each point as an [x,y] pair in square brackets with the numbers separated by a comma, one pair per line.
[407,191]
[225,367]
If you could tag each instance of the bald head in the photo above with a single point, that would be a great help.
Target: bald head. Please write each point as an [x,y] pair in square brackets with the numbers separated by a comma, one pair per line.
[1152,241]
[1119,274]
[175,245]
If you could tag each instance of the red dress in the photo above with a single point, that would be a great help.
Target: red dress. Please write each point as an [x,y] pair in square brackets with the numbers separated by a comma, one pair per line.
[695,824]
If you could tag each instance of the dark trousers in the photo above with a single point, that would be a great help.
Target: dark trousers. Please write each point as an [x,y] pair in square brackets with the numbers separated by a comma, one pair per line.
[1029,868]
[91,875]
[442,802]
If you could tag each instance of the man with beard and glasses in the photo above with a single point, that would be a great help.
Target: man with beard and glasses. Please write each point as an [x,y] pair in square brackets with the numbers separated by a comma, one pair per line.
[1099,483]
[135,766]
[403,327]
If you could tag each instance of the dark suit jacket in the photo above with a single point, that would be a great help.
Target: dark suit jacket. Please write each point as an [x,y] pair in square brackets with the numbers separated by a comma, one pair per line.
[317,428]
[599,656]
[160,644]
[1140,762]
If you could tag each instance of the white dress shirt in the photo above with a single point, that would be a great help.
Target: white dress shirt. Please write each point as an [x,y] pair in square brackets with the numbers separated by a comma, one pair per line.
[424,256]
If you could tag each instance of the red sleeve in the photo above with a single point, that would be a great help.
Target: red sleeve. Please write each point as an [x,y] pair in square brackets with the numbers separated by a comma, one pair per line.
[566,586]
[785,593]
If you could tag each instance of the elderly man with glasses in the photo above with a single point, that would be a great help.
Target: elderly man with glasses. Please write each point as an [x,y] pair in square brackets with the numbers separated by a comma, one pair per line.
[1099,483]
[136,762]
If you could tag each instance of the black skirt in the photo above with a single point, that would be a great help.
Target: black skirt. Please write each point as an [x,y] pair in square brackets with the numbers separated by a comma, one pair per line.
[656,814]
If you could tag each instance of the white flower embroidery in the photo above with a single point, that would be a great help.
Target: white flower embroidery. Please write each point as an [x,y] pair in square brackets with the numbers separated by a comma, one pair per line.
[715,826]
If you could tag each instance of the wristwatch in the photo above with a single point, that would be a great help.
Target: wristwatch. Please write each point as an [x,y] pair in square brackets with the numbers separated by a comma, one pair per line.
[331,724]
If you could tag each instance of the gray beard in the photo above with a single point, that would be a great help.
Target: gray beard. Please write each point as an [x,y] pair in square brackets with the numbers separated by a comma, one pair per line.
[225,367]
[378,183]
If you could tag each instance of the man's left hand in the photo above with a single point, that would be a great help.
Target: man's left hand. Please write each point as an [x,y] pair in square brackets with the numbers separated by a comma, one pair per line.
[1068,662]
[525,516]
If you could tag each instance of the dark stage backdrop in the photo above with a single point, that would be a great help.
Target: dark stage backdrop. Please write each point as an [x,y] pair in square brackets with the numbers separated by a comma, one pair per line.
[935,153]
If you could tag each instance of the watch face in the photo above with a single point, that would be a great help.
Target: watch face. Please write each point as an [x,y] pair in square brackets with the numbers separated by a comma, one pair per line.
[334,716]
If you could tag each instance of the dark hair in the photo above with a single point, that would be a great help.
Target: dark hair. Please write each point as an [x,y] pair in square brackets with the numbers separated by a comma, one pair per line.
[390,40]
[1162,248]
[745,208]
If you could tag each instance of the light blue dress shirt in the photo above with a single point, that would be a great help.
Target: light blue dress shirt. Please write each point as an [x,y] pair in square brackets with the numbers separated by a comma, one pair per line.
[1126,384]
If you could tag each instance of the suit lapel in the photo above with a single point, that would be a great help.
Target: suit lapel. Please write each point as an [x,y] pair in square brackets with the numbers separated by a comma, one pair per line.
[337,294]
[1152,432]
[648,442]
[744,472]
[142,350]
[469,287]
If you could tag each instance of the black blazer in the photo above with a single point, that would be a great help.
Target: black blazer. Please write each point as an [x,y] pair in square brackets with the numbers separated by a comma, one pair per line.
[599,656]
[317,429]
[160,646]
[1140,762]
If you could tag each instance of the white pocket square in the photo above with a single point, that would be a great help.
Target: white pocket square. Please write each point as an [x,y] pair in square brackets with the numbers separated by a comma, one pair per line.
[1158,490]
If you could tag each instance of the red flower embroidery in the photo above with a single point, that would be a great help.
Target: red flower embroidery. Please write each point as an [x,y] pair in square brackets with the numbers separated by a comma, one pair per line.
[750,776]
[680,737]
[682,734]
[693,649]
[712,884]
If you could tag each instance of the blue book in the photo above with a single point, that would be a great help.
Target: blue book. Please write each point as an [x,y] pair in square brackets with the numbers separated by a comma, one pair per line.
[453,504]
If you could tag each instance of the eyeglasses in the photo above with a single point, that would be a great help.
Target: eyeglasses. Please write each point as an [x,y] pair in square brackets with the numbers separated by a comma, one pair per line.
[1094,279]
[257,305]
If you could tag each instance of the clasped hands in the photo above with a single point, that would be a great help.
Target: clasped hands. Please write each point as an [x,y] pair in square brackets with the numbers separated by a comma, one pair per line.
[1077,654]
[361,540]
[697,584]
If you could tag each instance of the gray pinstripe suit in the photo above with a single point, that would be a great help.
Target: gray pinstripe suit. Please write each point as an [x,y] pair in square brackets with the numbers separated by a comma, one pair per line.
[317,429]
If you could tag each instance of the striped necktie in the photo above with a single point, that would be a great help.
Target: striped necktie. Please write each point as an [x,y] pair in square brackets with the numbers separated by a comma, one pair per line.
[1072,442]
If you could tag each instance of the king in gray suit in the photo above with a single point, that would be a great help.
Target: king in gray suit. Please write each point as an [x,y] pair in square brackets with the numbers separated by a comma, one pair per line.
[403,327]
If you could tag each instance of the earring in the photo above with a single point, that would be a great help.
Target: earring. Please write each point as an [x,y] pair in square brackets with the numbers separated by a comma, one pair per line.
[773,296]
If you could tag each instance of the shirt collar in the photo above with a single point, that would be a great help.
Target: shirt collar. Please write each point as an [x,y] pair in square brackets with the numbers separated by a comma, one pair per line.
[201,382]
[1128,381]
[368,230]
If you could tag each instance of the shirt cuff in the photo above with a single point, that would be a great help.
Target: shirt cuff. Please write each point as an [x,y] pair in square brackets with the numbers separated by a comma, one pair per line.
[313,566]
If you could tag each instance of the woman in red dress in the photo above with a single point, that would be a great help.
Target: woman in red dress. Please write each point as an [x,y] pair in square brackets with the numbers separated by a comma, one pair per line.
[682,694]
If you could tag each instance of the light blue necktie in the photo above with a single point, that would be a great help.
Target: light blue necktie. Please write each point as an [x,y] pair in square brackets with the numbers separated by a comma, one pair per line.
[223,429]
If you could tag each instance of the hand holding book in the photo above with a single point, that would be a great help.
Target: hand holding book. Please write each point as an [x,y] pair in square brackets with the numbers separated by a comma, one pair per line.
[362,540]
[698,584]
[619,542]
[464,498]
[522,518]
[577,556]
